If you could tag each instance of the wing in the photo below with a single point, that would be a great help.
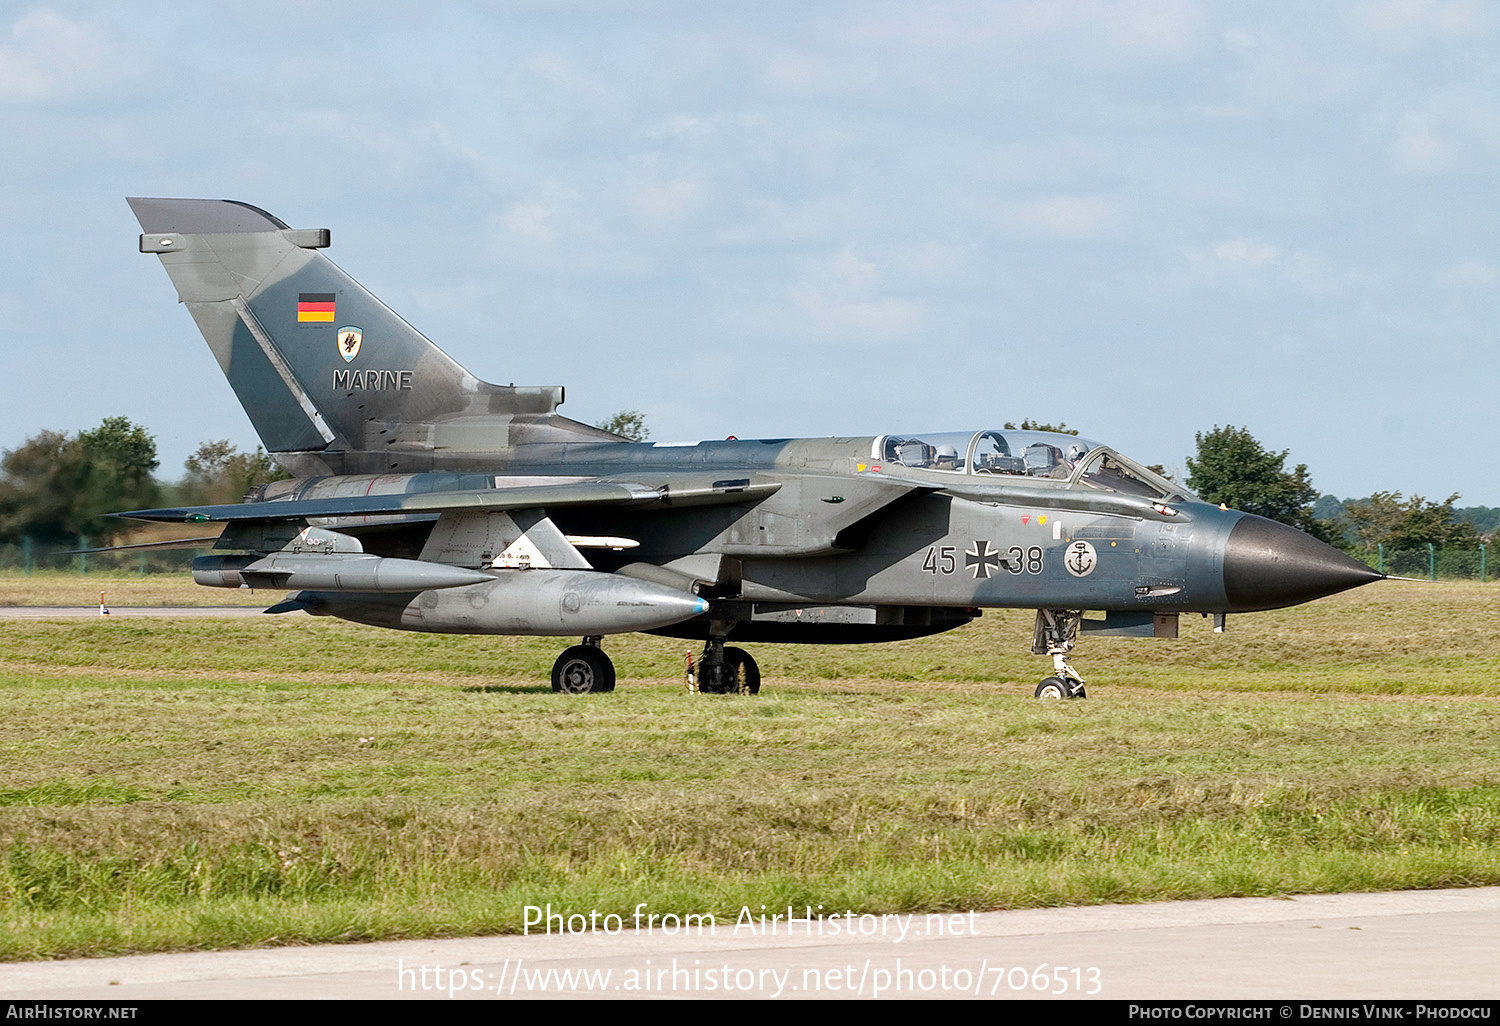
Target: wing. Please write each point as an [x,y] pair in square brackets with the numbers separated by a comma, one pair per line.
[674,492]
[512,525]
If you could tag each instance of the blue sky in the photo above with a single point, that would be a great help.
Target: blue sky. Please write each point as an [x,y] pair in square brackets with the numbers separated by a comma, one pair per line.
[1144,219]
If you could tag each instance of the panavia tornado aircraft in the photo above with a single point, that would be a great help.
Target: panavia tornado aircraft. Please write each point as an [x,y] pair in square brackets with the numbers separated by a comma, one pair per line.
[428,500]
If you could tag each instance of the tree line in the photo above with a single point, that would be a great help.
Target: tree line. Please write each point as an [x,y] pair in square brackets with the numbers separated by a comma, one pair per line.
[56,488]
[1233,468]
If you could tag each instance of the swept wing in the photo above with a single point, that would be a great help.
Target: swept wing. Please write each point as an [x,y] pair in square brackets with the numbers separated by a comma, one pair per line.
[684,492]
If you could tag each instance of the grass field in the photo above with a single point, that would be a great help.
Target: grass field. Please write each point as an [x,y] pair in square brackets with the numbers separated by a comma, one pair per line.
[191,784]
[57,588]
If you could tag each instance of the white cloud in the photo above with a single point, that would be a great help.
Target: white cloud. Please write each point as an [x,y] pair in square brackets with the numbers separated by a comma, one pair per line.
[529,220]
[1469,272]
[883,317]
[1162,25]
[1152,24]
[846,73]
[842,301]
[563,76]
[1245,251]
[937,257]
[686,125]
[851,269]
[393,149]
[666,200]
[550,212]
[792,70]
[1415,142]
[1316,278]
[1241,38]
[1067,215]
[1402,17]
[47,55]
[1244,262]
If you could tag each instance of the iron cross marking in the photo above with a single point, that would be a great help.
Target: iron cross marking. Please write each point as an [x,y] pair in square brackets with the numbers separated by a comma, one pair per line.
[981,560]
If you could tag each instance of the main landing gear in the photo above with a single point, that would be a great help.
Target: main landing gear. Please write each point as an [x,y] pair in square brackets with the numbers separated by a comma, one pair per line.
[583,669]
[723,669]
[1053,636]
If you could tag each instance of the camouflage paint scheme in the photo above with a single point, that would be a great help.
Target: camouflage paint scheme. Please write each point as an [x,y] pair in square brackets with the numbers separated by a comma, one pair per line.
[411,468]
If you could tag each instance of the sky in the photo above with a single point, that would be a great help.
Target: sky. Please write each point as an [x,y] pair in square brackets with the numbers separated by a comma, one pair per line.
[1144,219]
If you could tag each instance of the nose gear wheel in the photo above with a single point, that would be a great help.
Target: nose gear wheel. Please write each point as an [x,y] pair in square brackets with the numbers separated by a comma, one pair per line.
[1054,635]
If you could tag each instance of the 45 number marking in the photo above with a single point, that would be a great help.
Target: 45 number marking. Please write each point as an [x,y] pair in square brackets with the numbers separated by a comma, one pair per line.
[981,561]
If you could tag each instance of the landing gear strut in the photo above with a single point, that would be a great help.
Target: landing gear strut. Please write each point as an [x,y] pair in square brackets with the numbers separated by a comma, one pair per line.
[723,669]
[1053,636]
[583,669]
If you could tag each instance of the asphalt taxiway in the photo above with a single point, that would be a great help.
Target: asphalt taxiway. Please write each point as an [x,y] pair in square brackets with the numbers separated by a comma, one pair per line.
[1413,945]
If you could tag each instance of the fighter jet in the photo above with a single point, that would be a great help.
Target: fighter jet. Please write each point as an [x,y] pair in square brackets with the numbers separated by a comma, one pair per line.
[426,499]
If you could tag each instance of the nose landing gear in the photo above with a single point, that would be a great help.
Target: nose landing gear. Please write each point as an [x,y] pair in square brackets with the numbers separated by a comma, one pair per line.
[1054,634]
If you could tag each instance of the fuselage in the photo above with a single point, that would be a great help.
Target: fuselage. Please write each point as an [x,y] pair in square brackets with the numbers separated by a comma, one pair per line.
[950,520]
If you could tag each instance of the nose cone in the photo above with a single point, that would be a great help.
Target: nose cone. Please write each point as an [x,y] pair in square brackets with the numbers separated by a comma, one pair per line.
[1268,565]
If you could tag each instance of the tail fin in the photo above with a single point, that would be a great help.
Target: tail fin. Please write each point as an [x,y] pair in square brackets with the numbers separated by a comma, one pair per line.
[322,367]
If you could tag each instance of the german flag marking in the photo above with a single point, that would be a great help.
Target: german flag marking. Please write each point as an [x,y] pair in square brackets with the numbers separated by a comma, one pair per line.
[314,307]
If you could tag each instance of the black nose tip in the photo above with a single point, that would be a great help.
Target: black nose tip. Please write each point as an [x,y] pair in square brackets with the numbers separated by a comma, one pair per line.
[1269,565]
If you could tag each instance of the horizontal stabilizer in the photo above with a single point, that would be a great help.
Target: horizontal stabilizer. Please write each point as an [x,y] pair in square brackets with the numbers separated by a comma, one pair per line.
[202,542]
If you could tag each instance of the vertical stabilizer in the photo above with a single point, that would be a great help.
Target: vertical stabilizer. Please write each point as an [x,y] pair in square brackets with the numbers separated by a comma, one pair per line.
[330,376]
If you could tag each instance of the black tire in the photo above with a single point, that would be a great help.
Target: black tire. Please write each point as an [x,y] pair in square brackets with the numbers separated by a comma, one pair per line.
[581,670]
[1052,688]
[714,678]
[743,677]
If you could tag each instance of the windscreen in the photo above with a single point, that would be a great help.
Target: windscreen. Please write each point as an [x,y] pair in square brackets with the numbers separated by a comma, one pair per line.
[1108,470]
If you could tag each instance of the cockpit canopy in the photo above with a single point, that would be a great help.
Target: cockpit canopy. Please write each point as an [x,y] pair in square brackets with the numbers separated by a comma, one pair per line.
[1066,459]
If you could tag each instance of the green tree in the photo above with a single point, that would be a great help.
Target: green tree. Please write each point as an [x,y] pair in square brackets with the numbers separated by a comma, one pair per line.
[630,424]
[1234,469]
[219,473]
[1328,507]
[118,460]
[1389,519]
[38,484]
[1059,428]
[1486,519]
[54,487]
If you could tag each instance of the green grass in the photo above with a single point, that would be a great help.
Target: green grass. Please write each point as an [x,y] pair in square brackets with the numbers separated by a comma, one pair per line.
[120,587]
[191,784]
